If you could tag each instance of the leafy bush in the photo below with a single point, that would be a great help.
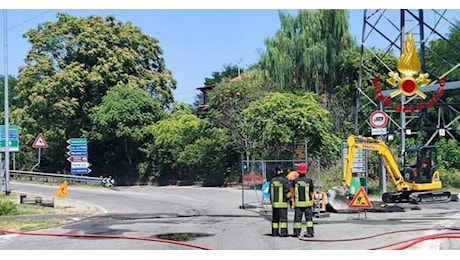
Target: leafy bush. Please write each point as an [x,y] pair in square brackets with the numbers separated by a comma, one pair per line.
[8,207]
[450,178]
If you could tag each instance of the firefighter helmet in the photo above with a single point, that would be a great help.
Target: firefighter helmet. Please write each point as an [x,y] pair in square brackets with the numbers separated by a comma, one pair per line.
[302,168]
[279,170]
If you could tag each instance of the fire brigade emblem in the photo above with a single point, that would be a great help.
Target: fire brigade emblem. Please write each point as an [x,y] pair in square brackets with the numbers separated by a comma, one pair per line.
[408,81]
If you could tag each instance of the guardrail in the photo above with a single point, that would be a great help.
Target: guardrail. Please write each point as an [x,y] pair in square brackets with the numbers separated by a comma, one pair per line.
[54,177]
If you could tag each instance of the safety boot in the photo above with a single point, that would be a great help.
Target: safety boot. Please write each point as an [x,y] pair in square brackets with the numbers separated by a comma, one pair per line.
[297,232]
[310,232]
[284,232]
[275,232]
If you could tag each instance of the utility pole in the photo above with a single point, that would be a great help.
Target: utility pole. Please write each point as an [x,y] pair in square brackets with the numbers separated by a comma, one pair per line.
[6,98]
[239,66]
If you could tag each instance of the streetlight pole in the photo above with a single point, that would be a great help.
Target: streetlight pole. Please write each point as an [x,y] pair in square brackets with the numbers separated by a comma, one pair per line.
[6,98]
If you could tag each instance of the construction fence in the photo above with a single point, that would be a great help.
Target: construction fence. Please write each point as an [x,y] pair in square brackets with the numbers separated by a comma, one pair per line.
[257,173]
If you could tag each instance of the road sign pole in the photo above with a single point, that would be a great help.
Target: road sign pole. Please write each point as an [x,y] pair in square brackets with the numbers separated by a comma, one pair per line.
[39,157]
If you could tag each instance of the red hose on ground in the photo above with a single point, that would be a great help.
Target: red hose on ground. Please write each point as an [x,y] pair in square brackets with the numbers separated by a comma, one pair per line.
[160,240]
[424,238]
[409,242]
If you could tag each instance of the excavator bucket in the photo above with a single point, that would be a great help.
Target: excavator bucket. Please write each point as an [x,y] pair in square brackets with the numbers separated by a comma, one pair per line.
[337,199]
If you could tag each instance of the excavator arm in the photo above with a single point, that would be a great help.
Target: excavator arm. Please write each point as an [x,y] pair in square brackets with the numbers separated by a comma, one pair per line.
[371,144]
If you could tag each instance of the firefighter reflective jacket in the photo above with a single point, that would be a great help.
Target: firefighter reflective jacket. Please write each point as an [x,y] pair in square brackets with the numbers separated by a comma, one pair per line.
[279,192]
[303,187]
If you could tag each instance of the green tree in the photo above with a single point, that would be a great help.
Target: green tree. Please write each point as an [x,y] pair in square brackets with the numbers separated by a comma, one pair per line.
[444,54]
[342,104]
[448,162]
[442,59]
[227,102]
[210,155]
[12,101]
[228,72]
[280,119]
[120,127]
[71,65]
[306,52]
[171,135]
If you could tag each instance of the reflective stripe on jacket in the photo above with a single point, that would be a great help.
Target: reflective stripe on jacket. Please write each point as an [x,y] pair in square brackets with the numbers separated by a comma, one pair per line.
[279,192]
[303,187]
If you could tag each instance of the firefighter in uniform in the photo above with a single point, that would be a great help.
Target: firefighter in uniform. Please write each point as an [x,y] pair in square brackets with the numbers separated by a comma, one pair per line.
[279,197]
[303,201]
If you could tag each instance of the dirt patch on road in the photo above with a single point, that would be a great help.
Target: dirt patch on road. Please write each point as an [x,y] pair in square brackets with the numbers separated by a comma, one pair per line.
[74,207]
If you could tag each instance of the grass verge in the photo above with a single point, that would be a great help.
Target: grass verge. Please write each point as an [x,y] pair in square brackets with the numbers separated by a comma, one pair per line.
[27,217]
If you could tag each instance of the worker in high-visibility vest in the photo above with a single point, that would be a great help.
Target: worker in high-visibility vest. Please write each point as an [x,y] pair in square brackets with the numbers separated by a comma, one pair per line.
[279,197]
[303,201]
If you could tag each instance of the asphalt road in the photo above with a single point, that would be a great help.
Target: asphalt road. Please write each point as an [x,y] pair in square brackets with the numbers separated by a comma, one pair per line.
[184,218]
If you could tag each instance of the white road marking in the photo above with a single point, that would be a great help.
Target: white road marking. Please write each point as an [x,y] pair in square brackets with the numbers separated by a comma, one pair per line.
[6,238]
[435,244]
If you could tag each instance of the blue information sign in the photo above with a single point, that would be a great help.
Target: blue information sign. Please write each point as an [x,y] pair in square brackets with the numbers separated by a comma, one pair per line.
[78,148]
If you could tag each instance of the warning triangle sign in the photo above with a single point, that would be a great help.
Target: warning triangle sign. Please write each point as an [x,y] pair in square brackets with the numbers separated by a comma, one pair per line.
[62,190]
[40,142]
[360,200]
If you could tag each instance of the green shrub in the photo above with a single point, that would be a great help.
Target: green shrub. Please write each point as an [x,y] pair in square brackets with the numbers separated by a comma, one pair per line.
[450,178]
[373,189]
[454,180]
[8,208]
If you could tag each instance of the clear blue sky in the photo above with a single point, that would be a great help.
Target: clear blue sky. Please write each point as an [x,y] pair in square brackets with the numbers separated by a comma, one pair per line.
[195,42]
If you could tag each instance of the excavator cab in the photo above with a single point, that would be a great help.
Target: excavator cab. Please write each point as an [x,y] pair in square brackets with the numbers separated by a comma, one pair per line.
[419,164]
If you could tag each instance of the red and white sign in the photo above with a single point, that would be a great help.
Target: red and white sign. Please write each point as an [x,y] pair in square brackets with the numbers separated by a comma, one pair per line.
[40,142]
[77,159]
[378,119]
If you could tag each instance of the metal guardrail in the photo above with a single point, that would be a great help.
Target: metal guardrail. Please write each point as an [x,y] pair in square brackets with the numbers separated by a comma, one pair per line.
[53,177]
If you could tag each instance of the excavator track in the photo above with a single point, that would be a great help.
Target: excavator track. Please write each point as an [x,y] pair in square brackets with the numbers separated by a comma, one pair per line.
[419,197]
[432,197]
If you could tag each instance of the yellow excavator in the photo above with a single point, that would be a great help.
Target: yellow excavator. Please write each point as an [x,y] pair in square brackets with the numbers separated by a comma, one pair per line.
[417,181]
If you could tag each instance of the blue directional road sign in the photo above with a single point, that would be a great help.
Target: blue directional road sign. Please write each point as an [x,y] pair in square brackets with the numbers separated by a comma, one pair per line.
[75,141]
[80,170]
[75,147]
[13,138]
[78,152]
[78,148]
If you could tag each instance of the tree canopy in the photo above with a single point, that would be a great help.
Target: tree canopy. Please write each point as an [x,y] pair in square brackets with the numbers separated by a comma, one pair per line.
[72,64]
[306,52]
[280,119]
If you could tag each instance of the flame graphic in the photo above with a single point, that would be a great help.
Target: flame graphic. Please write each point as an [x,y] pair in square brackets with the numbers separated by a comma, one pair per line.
[408,65]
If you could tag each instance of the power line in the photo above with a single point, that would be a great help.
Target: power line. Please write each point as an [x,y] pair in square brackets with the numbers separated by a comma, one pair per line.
[26,21]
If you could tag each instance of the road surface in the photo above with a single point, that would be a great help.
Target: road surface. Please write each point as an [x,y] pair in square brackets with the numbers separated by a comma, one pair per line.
[184,218]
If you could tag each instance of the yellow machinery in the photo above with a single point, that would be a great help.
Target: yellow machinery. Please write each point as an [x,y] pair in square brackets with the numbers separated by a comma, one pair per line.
[416,182]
